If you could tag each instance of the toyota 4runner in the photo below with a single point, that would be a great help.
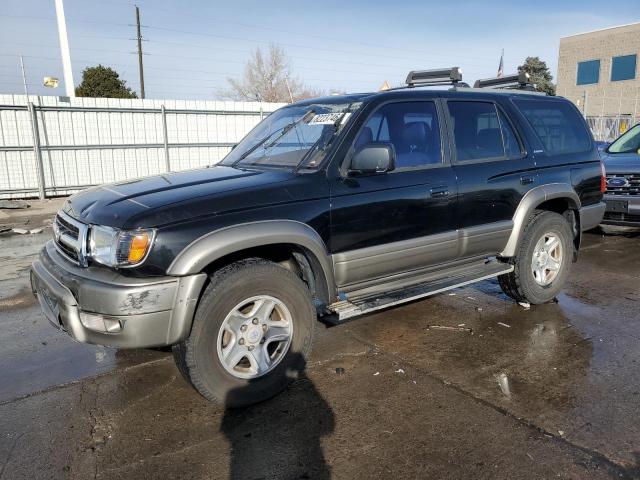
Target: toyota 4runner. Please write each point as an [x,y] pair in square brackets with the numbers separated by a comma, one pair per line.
[332,208]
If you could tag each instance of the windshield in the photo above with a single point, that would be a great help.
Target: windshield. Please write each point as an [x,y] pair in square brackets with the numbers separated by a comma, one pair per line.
[294,137]
[627,143]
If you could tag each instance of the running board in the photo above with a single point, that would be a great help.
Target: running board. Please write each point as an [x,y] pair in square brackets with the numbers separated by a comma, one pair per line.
[356,304]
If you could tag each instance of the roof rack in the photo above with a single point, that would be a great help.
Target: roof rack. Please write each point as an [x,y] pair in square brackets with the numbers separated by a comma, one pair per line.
[431,78]
[518,81]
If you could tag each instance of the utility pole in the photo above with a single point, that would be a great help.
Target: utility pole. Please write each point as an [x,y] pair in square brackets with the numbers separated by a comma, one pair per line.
[24,77]
[139,37]
[64,50]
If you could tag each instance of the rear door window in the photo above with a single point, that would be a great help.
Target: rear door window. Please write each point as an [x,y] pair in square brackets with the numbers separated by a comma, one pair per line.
[557,124]
[477,131]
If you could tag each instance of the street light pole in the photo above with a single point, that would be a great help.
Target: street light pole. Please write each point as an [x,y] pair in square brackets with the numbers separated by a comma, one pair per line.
[64,50]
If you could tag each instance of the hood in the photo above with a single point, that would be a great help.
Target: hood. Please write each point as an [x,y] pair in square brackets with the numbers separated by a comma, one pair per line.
[617,163]
[136,203]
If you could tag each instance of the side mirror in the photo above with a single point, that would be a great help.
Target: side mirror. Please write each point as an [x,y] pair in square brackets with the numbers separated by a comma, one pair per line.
[602,146]
[373,158]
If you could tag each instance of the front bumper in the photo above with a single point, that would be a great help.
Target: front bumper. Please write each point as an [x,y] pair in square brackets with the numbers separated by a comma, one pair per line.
[623,210]
[141,312]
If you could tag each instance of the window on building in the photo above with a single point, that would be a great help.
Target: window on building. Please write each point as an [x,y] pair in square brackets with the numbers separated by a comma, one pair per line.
[588,72]
[558,125]
[623,68]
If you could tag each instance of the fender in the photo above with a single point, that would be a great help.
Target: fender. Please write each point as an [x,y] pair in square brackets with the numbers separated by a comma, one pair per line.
[212,246]
[531,200]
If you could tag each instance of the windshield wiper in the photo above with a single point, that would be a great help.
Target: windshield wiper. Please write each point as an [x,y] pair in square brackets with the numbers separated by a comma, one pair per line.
[287,128]
[283,131]
[322,143]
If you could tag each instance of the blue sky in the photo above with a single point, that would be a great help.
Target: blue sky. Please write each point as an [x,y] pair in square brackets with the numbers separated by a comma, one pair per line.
[194,45]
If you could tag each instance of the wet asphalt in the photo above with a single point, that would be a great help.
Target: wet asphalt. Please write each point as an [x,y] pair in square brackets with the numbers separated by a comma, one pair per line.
[508,393]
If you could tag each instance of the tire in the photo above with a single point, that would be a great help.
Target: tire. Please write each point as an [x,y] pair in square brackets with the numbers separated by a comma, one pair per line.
[255,282]
[525,285]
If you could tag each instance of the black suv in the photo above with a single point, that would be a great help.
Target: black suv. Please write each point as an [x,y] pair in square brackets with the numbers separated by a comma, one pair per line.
[331,207]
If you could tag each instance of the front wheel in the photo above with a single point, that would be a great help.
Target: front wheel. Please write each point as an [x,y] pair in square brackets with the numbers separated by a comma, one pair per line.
[251,335]
[542,261]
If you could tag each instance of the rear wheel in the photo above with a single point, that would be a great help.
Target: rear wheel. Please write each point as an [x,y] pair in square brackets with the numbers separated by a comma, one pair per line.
[251,334]
[542,261]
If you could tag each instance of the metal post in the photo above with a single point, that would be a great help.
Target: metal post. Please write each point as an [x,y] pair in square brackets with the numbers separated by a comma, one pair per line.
[165,136]
[24,78]
[620,105]
[262,111]
[586,97]
[635,107]
[37,150]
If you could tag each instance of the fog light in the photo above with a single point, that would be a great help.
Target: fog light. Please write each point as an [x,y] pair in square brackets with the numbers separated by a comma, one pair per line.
[112,325]
[92,321]
[98,323]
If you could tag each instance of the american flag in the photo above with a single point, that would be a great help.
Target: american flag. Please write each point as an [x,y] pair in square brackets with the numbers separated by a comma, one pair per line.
[501,65]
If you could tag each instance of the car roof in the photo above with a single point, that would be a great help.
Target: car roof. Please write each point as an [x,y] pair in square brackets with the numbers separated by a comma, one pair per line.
[460,92]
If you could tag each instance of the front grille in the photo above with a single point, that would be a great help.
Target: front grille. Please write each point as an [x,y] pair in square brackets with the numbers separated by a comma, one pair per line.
[69,252]
[629,184]
[66,225]
[70,237]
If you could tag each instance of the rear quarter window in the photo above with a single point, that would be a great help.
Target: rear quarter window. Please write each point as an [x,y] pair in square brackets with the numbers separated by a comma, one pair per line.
[558,125]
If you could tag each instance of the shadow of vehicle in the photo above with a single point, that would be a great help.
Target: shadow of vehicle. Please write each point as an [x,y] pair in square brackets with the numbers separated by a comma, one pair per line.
[280,438]
[616,231]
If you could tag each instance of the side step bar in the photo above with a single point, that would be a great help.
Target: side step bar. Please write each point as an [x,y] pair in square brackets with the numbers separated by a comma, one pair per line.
[356,305]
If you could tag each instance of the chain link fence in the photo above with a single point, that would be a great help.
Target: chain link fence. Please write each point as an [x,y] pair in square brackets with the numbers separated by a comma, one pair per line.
[607,129]
[608,113]
[51,147]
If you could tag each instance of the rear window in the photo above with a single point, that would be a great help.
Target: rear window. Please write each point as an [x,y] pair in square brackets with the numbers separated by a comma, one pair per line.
[558,125]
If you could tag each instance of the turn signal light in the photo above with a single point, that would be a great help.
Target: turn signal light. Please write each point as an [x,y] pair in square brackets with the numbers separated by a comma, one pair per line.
[139,244]
[603,178]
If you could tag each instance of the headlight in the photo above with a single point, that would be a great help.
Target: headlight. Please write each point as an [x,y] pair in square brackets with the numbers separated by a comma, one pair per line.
[119,248]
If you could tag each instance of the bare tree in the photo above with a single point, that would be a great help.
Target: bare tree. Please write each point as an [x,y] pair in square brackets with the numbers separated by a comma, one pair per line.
[268,78]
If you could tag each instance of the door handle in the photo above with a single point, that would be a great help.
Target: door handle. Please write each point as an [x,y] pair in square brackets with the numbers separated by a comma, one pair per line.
[527,179]
[439,192]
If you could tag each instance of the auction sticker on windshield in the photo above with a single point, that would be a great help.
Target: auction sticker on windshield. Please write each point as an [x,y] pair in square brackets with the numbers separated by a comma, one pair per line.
[327,118]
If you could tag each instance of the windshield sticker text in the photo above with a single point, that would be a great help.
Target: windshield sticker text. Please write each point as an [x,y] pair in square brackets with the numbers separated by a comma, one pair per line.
[325,119]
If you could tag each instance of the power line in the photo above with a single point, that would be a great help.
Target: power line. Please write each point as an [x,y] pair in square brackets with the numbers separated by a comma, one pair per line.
[428,55]
[312,47]
[321,37]
[378,47]
[52,19]
[163,69]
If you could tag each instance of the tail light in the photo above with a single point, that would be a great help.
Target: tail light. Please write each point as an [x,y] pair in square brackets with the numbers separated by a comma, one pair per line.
[603,178]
